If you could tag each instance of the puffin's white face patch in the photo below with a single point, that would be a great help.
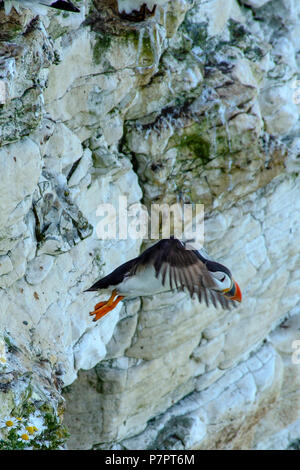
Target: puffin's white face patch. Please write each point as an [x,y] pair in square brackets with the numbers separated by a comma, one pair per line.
[222,280]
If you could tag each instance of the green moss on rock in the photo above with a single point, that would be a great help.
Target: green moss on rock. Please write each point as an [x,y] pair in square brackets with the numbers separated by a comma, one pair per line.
[198,146]
[102,44]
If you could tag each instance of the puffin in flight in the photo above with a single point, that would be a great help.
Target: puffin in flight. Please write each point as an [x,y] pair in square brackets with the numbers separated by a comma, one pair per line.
[165,266]
[37,5]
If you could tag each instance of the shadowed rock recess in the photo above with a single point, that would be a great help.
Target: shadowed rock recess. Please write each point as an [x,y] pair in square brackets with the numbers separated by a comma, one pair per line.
[160,102]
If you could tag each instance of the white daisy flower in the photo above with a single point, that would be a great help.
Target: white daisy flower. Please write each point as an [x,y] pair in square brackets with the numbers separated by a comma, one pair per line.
[9,422]
[24,434]
[35,424]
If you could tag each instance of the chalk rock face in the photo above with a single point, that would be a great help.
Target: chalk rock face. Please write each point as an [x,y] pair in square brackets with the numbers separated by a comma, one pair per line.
[120,107]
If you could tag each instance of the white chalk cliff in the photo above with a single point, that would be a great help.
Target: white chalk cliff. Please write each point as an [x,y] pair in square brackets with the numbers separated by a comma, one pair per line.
[196,101]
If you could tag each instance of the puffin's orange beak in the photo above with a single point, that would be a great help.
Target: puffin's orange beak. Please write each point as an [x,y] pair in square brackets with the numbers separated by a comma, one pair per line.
[235,292]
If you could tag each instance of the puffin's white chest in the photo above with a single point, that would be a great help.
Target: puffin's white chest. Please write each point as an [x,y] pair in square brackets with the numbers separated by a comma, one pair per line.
[143,283]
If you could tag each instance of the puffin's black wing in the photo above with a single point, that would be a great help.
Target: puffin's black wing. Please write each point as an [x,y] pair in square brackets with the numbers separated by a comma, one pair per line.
[183,268]
[180,268]
[175,264]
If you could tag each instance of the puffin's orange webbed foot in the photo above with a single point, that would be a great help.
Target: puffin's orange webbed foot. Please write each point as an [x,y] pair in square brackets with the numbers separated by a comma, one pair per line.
[100,304]
[102,308]
[100,312]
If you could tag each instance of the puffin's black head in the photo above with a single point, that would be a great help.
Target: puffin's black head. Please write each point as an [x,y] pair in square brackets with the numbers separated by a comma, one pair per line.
[223,279]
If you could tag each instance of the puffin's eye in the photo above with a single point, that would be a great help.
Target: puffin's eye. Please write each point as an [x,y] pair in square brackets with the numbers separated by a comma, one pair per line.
[220,276]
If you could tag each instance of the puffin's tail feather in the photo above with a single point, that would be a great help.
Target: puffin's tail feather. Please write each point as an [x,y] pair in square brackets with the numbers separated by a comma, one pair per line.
[97,286]
[114,278]
[64,5]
